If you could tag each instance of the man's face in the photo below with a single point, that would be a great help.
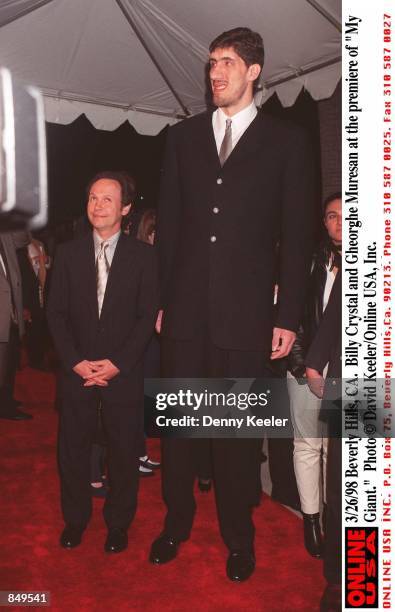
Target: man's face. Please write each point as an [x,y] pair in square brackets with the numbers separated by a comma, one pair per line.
[105,210]
[231,80]
[333,220]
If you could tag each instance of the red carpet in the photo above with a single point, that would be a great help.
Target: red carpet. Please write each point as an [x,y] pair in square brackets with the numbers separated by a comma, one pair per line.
[85,579]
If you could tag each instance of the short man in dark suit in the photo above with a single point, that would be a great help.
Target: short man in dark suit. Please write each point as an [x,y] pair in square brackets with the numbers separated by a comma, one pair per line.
[101,312]
[235,182]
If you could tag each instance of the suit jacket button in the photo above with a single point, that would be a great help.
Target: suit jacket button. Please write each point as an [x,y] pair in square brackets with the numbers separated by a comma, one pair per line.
[213,238]
[219,181]
[216,210]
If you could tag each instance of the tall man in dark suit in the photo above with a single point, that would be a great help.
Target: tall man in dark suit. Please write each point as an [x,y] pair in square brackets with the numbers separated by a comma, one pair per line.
[11,322]
[235,182]
[101,312]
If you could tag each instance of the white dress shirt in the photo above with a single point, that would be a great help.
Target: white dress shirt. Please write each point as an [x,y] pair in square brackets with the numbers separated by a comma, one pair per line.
[330,279]
[240,122]
[112,243]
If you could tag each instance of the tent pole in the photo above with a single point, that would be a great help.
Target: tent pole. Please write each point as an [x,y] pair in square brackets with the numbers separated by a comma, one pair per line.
[315,4]
[25,12]
[300,72]
[75,98]
[157,65]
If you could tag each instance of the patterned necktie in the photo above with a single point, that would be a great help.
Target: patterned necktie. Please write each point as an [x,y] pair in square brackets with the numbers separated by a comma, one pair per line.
[226,145]
[102,270]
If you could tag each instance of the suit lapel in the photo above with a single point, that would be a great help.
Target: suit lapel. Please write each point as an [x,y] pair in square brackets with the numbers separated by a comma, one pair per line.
[87,271]
[118,270]
[249,142]
[204,143]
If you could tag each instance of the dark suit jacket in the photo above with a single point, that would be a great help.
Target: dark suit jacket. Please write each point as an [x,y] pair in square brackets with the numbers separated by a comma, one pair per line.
[30,284]
[11,242]
[326,349]
[326,345]
[263,194]
[128,314]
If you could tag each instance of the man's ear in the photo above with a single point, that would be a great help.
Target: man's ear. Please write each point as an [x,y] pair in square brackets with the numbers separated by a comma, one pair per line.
[254,71]
[126,209]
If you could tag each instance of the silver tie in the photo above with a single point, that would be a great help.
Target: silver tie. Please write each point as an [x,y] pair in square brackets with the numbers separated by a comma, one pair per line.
[226,145]
[102,270]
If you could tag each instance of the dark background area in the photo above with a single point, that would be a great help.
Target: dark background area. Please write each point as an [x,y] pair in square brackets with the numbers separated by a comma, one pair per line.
[77,151]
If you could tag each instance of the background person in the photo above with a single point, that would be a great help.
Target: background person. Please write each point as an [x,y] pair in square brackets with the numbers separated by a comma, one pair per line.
[34,265]
[325,351]
[146,233]
[12,325]
[311,442]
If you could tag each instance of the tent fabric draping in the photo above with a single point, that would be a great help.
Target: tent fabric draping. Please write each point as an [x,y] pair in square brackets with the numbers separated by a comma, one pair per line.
[144,60]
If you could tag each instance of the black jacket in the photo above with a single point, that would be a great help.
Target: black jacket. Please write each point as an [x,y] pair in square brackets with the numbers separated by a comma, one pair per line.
[129,308]
[218,228]
[312,316]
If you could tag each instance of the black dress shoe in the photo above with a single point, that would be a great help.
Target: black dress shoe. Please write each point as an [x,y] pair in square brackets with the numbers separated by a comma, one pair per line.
[240,565]
[16,415]
[331,600]
[204,484]
[71,536]
[117,540]
[312,535]
[163,549]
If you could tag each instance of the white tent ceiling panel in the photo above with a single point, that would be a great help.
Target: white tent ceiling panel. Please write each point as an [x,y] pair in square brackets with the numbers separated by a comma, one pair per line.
[89,50]
[150,55]
[104,117]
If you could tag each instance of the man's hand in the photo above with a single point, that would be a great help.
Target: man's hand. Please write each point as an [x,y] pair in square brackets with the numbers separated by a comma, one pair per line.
[282,342]
[103,371]
[315,382]
[90,374]
[158,324]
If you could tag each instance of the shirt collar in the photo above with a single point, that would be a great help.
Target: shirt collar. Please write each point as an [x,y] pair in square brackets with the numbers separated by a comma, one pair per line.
[112,241]
[240,119]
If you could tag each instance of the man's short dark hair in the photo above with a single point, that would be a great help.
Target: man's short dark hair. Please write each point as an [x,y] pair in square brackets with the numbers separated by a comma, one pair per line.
[247,44]
[126,182]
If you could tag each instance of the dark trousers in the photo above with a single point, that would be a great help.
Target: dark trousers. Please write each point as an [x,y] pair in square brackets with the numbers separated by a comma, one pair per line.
[10,359]
[78,423]
[333,536]
[37,339]
[235,462]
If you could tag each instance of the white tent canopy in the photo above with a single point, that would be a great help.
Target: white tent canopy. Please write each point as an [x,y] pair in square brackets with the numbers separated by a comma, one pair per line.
[144,60]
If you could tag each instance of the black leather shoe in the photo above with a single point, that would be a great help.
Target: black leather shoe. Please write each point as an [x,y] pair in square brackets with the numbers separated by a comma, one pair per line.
[163,549]
[331,600]
[71,536]
[117,540]
[312,535]
[240,565]
[16,415]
